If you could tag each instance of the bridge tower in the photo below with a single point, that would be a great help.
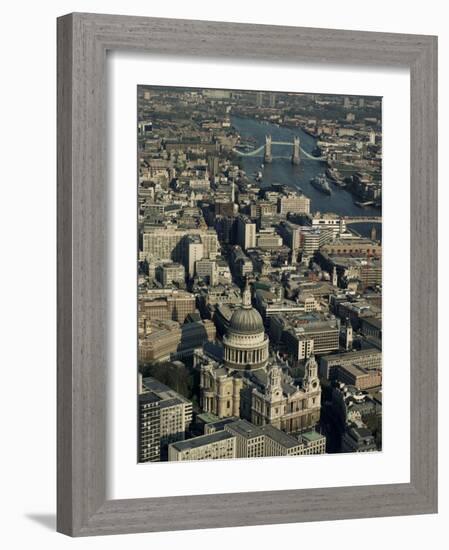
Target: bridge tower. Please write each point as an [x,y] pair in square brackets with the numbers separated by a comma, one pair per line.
[295,156]
[268,157]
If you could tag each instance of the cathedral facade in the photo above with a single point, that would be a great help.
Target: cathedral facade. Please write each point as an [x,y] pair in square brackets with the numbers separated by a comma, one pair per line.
[284,405]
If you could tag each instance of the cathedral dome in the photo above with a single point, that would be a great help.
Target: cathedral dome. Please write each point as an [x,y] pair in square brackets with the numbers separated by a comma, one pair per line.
[245,342]
[246,320]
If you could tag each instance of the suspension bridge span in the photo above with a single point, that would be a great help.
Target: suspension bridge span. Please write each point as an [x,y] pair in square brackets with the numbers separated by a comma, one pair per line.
[265,151]
[361,219]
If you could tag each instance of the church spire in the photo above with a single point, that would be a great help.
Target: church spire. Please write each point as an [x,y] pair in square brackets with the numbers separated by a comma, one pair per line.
[246,295]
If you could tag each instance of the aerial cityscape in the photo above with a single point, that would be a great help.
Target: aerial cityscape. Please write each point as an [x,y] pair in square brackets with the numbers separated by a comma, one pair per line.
[259,274]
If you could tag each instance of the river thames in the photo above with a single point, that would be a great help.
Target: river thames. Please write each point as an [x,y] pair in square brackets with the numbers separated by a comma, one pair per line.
[283,171]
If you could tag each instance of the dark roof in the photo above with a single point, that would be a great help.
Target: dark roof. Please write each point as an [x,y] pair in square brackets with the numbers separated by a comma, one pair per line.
[148,397]
[244,429]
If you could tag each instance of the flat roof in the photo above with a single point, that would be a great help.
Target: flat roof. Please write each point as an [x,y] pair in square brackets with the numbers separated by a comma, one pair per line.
[207,418]
[220,423]
[148,397]
[202,440]
[351,355]
[245,428]
[281,437]
[312,436]
[166,403]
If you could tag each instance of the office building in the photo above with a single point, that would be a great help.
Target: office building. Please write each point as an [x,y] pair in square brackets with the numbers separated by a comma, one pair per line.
[369,359]
[246,233]
[215,446]
[169,243]
[358,440]
[194,251]
[165,304]
[167,340]
[149,428]
[293,203]
[304,334]
[169,273]
[175,411]
[208,270]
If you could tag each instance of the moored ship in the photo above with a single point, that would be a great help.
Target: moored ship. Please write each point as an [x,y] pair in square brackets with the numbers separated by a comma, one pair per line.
[335,177]
[320,183]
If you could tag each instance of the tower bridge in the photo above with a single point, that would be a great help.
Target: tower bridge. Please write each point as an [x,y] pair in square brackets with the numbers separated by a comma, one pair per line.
[361,219]
[265,151]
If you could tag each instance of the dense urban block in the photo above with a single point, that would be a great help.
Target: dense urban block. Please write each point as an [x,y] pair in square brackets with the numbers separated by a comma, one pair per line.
[259,274]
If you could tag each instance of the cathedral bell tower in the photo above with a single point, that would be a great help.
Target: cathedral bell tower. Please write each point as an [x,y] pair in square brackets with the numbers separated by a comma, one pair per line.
[274,381]
[310,381]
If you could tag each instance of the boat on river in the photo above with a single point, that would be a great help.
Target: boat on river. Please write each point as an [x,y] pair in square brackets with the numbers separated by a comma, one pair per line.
[320,183]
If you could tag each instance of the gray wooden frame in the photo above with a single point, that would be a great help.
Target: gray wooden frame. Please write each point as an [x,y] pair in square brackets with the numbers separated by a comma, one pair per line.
[83,40]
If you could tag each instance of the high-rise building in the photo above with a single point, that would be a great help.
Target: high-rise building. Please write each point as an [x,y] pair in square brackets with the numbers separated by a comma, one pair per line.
[149,428]
[194,251]
[246,232]
[212,164]
[175,411]
[291,234]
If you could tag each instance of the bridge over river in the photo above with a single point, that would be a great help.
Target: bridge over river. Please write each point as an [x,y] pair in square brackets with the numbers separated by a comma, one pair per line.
[265,151]
[361,219]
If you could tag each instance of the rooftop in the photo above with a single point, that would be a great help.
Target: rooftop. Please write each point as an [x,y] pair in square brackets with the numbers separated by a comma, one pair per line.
[280,437]
[202,440]
[312,436]
[244,429]
[148,397]
[207,418]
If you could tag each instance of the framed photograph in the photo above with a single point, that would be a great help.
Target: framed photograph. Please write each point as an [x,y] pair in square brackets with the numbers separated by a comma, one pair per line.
[247,274]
